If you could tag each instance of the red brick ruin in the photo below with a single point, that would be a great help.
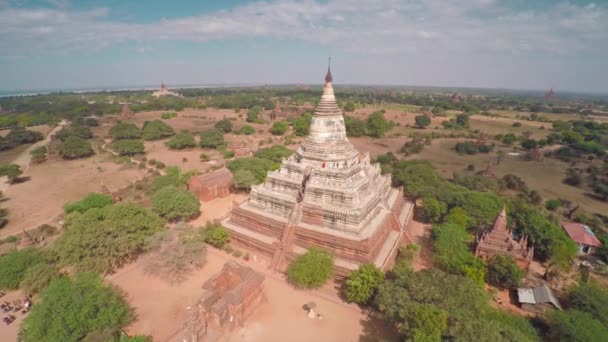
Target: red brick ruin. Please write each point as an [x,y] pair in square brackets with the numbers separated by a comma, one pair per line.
[212,185]
[499,241]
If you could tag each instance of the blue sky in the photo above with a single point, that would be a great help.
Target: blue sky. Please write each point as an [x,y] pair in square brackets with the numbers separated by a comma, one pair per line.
[471,43]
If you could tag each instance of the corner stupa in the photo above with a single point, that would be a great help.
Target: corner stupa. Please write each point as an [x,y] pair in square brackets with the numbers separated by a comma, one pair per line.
[326,195]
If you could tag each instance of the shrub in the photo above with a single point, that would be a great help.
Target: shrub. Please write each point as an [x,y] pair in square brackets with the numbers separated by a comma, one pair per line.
[12,171]
[247,130]
[204,157]
[311,270]
[516,124]
[174,204]
[422,121]
[224,125]
[38,154]
[279,127]
[156,129]
[354,127]
[509,139]
[592,299]
[38,277]
[252,114]
[82,132]
[216,235]
[102,239]
[301,125]
[212,138]
[228,154]
[276,153]
[73,308]
[14,265]
[128,147]
[125,131]
[74,147]
[181,141]
[377,124]
[91,122]
[168,115]
[361,284]
[90,201]
[575,326]
[553,204]
[504,272]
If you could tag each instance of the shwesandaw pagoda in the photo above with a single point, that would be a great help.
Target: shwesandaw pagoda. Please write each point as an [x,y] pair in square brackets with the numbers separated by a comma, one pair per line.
[326,195]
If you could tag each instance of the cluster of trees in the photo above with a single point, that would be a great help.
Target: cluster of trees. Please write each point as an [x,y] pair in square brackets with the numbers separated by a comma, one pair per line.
[422,121]
[375,126]
[252,170]
[127,138]
[461,121]
[154,130]
[19,136]
[38,154]
[279,127]
[212,138]
[12,171]
[90,201]
[301,124]
[181,140]
[470,147]
[312,269]
[580,138]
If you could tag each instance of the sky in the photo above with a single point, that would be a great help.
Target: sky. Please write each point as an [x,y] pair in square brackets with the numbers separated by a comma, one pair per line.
[515,44]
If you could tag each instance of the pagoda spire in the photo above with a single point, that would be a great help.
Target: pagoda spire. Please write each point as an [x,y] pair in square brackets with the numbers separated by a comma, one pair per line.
[328,77]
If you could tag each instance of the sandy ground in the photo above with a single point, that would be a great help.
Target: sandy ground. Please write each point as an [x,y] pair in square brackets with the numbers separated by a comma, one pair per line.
[421,233]
[40,199]
[217,208]
[9,333]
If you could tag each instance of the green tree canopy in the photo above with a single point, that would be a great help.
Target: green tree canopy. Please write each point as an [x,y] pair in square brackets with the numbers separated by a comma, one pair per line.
[422,121]
[276,153]
[224,125]
[216,235]
[377,124]
[156,129]
[90,201]
[354,127]
[174,204]
[361,284]
[279,127]
[591,298]
[12,171]
[247,130]
[102,239]
[181,141]
[39,276]
[576,326]
[80,131]
[128,147]
[14,266]
[122,130]
[504,272]
[74,147]
[39,154]
[349,107]
[311,270]
[212,138]
[72,308]
[301,125]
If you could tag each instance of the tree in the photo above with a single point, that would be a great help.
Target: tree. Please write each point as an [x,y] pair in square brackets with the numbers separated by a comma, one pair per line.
[128,147]
[256,167]
[12,171]
[14,266]
[244,179]
[74,147]
[125,131]
[377,124]
[174,254]
[73,308]
[19,136]
[349,107]
[301,125]
[212,138]
[279,127]
[216,235]
[575,326]
[354,127]
[181,141]
[80,131]
[276,153]
[252,114]
[592,299]
[38,154]
[422,121]
[311,270]
[361,284]
[462,120]
[509,139]
[553,204]
[433,210]
[529,144]
[102,239]
[247,130]
[173,176]
[90,201]
[504,272]
[224,125]
[38,277]
[156,129]
[175,204]
[91,122]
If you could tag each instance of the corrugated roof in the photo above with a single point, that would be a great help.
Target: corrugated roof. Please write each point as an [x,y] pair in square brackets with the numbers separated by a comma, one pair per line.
[538,295]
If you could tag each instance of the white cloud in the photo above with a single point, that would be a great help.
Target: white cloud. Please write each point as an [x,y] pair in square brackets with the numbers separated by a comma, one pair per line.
[373,26]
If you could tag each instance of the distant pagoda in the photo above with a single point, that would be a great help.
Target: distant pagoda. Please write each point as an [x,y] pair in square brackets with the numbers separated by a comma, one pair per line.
[327,195]
[550,95]
[164,91]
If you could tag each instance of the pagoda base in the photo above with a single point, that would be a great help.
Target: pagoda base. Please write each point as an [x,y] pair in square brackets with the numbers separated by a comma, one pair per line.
[262,232]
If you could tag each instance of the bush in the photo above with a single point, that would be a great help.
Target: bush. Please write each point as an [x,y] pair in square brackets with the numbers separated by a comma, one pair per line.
[252,114]
[168,115]
[349,107]
[504,272]
[175,204]
[247,130]
[224,125]
[90,201]
[276,153]
[422,121]
[301,125]
[14,265]
[433,210]
[250,171]
[102,239]
[216,235]
[128,147]
[228,154]
[38,277]
[73,308]
[125,131]
[212,138]
[279,127]
[204,157]
[91,122]
[553,204]
[38,154]
[181,141]
[361,284]
[377,124]
[354,127]
[592,299]
[575,326]
[312,269]
[74,147]
[19,136]
[12,171]
[156,129]
[82,132]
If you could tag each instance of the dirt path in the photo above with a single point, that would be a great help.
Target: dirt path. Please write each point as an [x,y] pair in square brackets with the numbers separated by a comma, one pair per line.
[421,234]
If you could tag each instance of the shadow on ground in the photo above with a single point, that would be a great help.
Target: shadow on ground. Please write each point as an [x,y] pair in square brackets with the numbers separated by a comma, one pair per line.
[376,329]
